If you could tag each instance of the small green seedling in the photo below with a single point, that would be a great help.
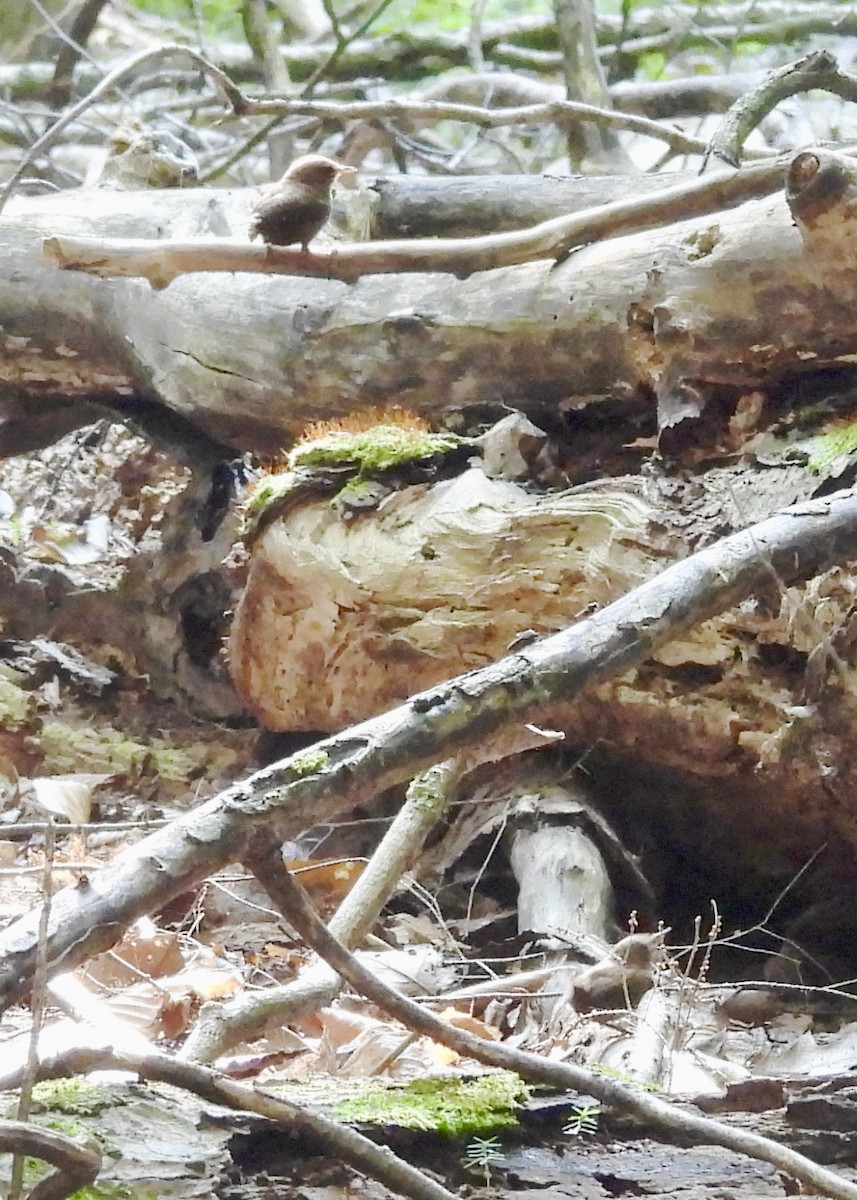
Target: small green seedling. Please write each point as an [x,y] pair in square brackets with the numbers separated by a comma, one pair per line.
[583,1121]
[483,1154]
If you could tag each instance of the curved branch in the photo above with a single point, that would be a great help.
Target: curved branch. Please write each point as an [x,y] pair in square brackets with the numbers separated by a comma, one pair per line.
[76,1165]
[818,70]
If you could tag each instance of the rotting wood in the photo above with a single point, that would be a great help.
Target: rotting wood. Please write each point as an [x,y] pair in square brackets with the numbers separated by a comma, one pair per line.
[440,577]
[483,716]
[439,580]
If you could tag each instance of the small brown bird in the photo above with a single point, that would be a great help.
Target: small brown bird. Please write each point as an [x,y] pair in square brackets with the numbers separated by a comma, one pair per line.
[295,207]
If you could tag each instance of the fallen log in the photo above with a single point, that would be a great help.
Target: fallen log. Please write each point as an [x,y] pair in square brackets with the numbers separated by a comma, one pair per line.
[672,325]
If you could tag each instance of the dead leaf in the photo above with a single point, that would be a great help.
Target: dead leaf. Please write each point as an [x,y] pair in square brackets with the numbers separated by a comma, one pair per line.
[68,796]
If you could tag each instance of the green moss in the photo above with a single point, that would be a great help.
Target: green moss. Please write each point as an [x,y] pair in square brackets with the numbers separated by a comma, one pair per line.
[74,1097]
[826,447]
[346,465]
[269,489]
[452,1106]
[103,749]
[357,493]
[270,496]
[67,747]
[76,1100]
[311,763]
[430,789]
[16,705]
[371,450]
[66,1126]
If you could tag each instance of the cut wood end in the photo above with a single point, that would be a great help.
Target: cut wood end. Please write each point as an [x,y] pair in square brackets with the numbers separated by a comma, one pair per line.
[821,184]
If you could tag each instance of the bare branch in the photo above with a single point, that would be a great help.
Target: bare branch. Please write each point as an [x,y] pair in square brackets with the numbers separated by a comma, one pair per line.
[817,70]
[162,261]
[77,1165]
[563,113]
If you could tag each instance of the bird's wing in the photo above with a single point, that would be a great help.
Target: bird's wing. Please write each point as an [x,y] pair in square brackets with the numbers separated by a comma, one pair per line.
[291,210]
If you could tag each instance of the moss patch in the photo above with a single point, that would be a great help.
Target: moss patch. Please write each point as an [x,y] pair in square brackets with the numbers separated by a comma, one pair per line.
[355,466]
[311,763]
[370,450]
[75,1097]
[824,449]
[452,1106]
[16,705]
[268,490]
[101,748]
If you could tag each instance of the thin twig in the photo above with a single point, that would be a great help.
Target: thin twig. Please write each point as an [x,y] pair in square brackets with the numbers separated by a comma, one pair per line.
[474,35]
[37,1008]
[341,45]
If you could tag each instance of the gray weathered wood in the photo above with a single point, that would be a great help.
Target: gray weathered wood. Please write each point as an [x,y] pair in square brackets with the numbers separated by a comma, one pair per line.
[660,318]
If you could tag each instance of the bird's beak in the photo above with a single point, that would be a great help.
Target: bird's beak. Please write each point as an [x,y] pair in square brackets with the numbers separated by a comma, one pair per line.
[345,170]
